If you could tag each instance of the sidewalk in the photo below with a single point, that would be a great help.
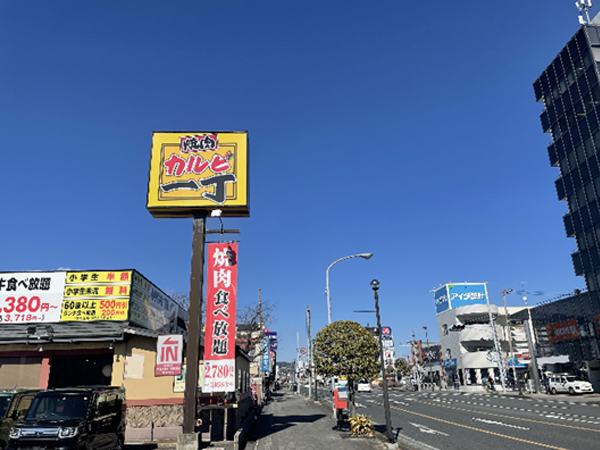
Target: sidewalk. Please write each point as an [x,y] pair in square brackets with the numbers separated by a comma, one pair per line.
[290,421]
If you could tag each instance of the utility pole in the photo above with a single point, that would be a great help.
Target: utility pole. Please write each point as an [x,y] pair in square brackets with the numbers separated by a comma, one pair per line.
[309,353]
[414,357]
[190,395]
[298,365]
[260,343]
[510,343]
[499,361]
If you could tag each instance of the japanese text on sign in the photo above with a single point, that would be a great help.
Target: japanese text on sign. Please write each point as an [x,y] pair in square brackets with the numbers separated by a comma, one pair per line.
[219,349]
[29,297]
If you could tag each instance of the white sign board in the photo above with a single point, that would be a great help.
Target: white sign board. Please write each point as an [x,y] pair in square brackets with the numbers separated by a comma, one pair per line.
[29,297]
[219,376]
[169,349]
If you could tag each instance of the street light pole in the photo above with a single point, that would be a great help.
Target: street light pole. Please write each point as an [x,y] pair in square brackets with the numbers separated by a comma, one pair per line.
[510,343]
[362,255]
[428,362]
[386,400]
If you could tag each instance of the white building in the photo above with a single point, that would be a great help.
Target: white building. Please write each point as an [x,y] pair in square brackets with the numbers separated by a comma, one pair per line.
[467,338]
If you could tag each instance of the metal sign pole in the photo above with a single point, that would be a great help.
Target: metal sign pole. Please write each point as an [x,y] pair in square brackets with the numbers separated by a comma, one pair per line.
[190,395]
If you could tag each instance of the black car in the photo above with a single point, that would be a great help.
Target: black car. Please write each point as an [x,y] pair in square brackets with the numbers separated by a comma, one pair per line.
[84,418]
[13,407]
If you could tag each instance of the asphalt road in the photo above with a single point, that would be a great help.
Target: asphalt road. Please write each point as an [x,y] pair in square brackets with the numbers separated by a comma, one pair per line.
[451,420]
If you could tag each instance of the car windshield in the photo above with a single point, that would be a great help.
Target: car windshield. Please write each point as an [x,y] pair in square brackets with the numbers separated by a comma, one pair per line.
[56,407]
[4,405]
[571,379]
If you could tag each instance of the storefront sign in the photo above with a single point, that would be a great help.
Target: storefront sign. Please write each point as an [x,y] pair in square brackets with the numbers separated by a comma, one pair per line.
[431,353]
[466,294]
[387,341]
[169,349]
[99,295]
[563,331]
[450,363]
[441,299]
[266,356]
[30,297]
[79,296]
[151,308]
[198,171]
[221,293]
[272,339]
[388,358]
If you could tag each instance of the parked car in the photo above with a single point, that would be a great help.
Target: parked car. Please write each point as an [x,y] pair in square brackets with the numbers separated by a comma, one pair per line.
[363,386]
[570,384]
[13,406]
[84,418]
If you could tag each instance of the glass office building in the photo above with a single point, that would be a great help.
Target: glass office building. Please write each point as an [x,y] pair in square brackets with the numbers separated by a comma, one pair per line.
[570,91]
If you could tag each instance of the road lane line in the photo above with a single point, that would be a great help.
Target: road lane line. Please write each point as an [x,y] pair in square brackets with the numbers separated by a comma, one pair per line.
[508,417]
[539,444]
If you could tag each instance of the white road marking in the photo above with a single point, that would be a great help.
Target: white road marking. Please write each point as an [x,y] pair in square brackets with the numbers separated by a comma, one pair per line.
[424,429]
[495,422]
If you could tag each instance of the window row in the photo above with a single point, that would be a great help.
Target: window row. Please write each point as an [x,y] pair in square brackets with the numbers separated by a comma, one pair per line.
[575,56]
[581,185]
[579,101]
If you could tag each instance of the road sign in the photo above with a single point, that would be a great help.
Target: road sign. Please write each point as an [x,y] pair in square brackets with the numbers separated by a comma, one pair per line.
[303,351]
[168,355]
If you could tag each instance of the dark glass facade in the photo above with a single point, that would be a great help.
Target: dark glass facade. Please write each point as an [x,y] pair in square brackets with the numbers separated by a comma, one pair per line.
[570,91]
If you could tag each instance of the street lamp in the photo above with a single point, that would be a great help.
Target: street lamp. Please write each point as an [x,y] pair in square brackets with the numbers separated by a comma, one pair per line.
[361,255]
[386,400]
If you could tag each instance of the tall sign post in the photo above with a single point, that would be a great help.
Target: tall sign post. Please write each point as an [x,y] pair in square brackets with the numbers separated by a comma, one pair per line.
[197,174]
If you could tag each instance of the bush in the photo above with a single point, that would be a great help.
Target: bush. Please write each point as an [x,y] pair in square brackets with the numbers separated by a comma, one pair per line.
[361,425]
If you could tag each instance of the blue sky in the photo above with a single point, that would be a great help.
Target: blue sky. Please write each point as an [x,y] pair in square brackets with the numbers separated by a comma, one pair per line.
[404,129]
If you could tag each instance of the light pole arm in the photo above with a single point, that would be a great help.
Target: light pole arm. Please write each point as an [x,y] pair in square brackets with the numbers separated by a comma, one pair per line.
[361,255]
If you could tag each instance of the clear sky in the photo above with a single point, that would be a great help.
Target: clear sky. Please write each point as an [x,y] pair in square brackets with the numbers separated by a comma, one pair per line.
[405,129]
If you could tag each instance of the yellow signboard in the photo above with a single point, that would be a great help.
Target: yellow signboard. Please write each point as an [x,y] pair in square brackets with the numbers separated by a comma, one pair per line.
[94,291]
[96,295]
[78,310]
[196,171]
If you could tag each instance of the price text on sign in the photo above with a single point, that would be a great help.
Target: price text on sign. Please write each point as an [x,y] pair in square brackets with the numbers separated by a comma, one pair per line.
[23,309]
[219,376]
[31,296]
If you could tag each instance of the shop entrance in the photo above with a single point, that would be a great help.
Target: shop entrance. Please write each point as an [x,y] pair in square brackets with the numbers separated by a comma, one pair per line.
[80,370]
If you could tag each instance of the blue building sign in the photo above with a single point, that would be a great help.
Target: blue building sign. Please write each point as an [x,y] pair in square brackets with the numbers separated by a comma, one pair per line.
[441,299]
[451,296]
[266,356]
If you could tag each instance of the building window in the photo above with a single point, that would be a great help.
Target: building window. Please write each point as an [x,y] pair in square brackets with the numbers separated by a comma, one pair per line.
[448,353]
[445,329]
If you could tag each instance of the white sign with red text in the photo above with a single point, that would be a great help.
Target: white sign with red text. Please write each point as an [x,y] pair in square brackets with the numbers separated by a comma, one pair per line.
[29,297]
[169,349]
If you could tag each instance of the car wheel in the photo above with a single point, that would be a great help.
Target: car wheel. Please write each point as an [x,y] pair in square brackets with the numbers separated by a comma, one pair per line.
[553,390]
[571,391]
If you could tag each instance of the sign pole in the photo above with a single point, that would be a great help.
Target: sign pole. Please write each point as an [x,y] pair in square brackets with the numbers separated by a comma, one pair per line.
[190,396]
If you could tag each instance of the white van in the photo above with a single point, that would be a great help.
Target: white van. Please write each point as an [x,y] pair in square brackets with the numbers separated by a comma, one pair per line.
[570,384]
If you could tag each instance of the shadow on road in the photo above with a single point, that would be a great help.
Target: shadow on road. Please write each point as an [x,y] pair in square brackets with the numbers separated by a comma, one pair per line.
[270,425]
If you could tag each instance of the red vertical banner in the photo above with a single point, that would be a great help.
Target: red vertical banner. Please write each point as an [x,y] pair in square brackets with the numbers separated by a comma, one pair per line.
[219,338]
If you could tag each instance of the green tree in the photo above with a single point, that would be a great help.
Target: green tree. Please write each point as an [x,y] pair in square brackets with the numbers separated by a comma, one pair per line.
[402,368]
[346,349]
